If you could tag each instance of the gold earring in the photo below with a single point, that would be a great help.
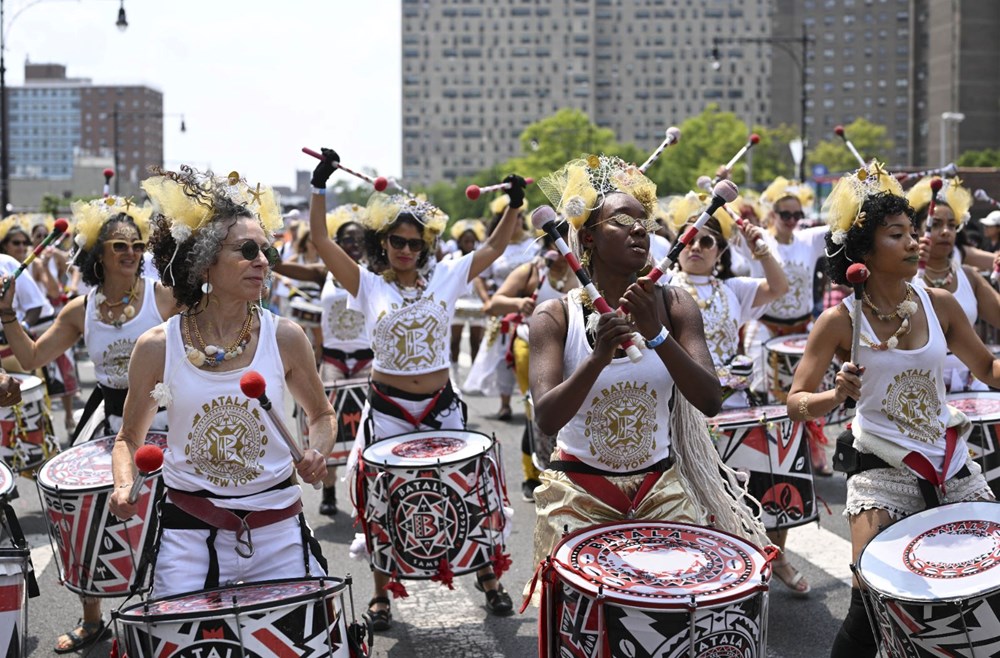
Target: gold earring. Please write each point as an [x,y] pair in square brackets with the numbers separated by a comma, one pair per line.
[585,259]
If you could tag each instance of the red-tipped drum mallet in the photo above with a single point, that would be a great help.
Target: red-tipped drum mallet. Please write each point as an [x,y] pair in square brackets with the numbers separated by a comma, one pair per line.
[936,184]
[148,460]
[473,192]
[839,131]
[253,386]
[724,192]
[673,135]
[857,274]
[58,229]
[544,219]
[379,183]
[108,174]
[950,170]
[751,142]
[705,183]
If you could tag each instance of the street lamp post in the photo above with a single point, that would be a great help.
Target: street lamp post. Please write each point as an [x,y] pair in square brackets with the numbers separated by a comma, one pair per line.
[117,117]
[785,44]
[948,118]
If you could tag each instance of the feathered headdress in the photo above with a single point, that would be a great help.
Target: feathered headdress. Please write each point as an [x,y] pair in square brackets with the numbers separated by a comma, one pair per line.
[782,188]
[952,194]
[682,209]
[499,205]
[463,225]
[579,187]
[90,216]
[349,212]
[843,207]
[384,209]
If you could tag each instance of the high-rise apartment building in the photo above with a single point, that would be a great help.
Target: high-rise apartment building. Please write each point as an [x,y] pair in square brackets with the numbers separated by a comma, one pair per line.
[52,118]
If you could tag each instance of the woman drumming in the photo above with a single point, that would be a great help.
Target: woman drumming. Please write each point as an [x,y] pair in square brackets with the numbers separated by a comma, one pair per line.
[971,290]
[346,351]
[225,458]
[618,422]
[897,379]
[468,234]
[408,318]
[122,305]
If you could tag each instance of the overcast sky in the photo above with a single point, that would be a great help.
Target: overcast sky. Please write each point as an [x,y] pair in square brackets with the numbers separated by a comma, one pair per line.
[255,80]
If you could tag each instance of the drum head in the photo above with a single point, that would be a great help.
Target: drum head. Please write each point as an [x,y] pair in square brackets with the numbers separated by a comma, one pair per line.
[655,564]
[790,344]
[948,553]
[86,466]
[6,480]
[750,416]
[978,406]
[421,448]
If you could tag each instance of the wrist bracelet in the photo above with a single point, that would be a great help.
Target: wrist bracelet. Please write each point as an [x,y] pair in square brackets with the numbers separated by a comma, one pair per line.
[804,407]
[12,320]
[319,190]
[658,339]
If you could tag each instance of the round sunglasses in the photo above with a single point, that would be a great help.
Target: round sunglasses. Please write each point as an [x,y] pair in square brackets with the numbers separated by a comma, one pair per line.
[250,250]
[123,246]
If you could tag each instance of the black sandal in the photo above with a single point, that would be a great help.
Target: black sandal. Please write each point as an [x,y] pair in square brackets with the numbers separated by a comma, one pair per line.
[379,620]
[93,632]
[498,601]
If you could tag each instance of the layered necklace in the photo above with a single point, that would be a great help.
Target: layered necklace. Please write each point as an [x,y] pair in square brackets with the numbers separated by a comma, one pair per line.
[111,317]
[943,282]
[904,310]
[410,294]
[689,282]
[212,355]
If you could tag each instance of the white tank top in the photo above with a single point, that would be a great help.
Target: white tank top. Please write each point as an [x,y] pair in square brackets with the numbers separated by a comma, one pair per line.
[902,391]
[111,347]
[219,440]
[963,294]
[624,422]
[343,329]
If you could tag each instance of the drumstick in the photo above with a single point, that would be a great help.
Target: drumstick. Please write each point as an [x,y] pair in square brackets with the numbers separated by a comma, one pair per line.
[108,173]
[705,183]
[751,142]
[253,386]
[472,192]
[857,274]
[673,136]
[839,131]
[148,460]
[936,184]
[544,219]
[58,229]
[379,183]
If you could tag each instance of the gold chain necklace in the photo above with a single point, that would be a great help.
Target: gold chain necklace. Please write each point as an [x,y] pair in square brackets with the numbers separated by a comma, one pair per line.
[685,282]
[888,316]
[213,355]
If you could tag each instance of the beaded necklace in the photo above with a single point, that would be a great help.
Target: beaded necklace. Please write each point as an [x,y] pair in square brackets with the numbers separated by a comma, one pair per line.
[109,317]
[904,310]
[683,280]
[212,355]
[944,282]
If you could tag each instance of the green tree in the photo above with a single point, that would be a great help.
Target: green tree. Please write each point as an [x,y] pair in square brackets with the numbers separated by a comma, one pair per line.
[983,158]
[50,204]
[869,138]
[771,157]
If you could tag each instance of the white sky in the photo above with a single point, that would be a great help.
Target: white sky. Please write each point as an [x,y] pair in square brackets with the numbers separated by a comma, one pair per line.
[255,80]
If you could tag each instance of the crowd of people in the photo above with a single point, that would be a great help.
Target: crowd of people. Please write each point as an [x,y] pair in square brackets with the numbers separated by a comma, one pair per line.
[178,298]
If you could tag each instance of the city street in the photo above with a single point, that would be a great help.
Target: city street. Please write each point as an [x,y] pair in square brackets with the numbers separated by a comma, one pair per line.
[435,622]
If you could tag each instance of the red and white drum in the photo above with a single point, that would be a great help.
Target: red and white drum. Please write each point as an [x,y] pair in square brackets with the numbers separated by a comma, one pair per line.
[347,397]
[764,443]
[934,578]
[471,311]
[432,498]
[652,588]
[273,619]
[782,356]
[28,437]
[97,553]
[983,409]
[13,601]
[306,314]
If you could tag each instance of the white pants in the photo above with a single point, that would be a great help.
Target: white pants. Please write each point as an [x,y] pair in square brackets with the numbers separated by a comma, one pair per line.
[182,563]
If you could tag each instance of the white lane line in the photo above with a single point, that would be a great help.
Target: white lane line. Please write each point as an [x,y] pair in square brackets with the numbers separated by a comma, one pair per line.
[41,552]
[449,623]
[824,549]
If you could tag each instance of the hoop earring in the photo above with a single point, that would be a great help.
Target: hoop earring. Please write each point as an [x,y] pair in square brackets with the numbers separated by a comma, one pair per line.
[98,275]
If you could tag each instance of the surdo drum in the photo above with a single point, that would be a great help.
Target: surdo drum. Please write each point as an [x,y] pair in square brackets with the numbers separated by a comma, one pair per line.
[13,580]
[347,397]
[934,581]
[273,619]
[97,553]
[471,311]
[653,588]
[432,499]
[306,314]
[764,443]
[983,409]
[782,355]
[28,437]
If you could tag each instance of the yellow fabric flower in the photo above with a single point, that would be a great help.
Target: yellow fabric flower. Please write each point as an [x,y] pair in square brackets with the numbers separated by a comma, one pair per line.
[90,216]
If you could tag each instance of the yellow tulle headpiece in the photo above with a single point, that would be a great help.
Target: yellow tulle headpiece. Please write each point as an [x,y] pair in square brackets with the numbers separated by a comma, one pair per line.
[952,194]
[749,198]
[349,212]
[682,210]
[843,207]
[463,225]
[579,187]
[191,198]
[7,223]
[41,219]
[90,216]
[782,188]
[499,205]
[384,209]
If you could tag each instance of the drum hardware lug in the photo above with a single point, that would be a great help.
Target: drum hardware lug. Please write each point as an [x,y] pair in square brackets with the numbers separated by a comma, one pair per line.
[248,542]
[630,514]
[692,607]
[239,626]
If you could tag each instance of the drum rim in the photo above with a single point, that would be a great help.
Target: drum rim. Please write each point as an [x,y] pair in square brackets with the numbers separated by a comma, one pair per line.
[959,395]
[328,585]
[434,461]
[715,420]
[785,338]
[762,587]
[903,599]
[10,475]
[60,490]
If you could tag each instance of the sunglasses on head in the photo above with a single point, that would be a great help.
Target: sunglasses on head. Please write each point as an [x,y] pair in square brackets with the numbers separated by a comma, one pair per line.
[398,242]
[786,215]
[250,249]
[705,242]
[628,221]
[123,246]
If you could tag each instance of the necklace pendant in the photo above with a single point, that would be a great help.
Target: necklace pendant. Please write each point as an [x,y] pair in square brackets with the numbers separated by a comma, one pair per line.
[129,311]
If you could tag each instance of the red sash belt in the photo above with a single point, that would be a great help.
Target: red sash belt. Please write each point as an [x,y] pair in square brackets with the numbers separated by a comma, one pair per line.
[601,488]
[923,467]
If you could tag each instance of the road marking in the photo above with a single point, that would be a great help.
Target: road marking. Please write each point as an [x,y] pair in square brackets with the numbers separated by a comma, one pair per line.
[448,621]
[826,550]
[41,552]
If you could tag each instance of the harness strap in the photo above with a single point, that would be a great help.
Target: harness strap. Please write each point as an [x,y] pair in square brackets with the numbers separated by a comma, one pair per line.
[383,403]
[607,492]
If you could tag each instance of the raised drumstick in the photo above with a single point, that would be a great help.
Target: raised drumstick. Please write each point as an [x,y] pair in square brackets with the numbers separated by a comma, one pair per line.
[857,274]
[936,184]
[379,183]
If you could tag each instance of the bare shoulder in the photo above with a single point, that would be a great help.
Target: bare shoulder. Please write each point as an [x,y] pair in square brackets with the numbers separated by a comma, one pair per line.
[550,313]
[834,321]
[151,344]
[287,330]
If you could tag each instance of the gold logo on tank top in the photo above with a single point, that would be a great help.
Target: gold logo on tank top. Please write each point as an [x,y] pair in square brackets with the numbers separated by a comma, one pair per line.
[911,403]
[343,323]
[621,425]
[227,442]
[115,359]
[412,336]
[799,295]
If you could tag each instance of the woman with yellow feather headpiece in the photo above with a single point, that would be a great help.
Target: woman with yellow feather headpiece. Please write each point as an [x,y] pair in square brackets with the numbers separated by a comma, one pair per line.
[212,243]
[909,448]
[942,247]
[408,316]
[121,305]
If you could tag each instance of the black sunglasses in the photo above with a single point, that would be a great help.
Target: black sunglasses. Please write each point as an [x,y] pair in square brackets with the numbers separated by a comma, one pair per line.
[250,249]
[416,245]
[788,214]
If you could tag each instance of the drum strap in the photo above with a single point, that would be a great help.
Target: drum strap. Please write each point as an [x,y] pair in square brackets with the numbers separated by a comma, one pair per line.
[600,487]
[379,397]
[785,327]
[338,359]
[17,538]
[94,401]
